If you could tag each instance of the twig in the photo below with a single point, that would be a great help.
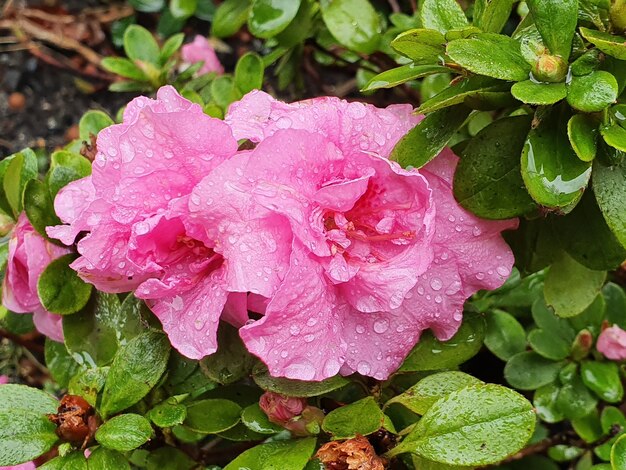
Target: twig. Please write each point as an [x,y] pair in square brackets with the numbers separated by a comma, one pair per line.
[24,342]
[394,6]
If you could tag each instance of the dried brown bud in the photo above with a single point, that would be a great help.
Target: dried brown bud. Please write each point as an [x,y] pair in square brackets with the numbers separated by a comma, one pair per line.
[75,419]
[353,454]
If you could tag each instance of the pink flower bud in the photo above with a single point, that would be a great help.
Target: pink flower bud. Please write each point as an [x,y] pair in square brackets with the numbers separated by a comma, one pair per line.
[612,343]
[280,409]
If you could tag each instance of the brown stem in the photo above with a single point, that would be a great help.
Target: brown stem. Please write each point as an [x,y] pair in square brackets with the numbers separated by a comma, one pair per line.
[23,341]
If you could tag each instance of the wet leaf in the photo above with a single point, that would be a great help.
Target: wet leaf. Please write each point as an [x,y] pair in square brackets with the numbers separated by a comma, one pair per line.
[354,23]
[423,46]
[535,93]
[618,454]
[529,371]
[545,402]
[91,123]
[60,289]
[582,131]
[38,206]
[362,417]
[492,15]
[505,336]
[295,388]
[575,400]
[607,43]
[609,186]
[592,93]
[19,170]
[614,135]
[292,454]
[24,435]
[442,15]
[60,364]
[124,432]
[460,92]
[267,18]
[556,22]
[394,77]
[603,378]
[256,420]
[105,459]
[212,416]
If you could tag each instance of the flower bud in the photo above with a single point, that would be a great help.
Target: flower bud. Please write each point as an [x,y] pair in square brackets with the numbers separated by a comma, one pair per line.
[618,14]
[280,409]
[582,344]
[612,343]
[550,68]
[309,423]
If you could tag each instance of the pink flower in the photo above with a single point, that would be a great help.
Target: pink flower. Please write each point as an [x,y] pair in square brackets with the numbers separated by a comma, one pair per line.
[379,253]
[134,208]
[612,343]
[22,466]
[280,409]
[29,255]
[200,50]
[4,379]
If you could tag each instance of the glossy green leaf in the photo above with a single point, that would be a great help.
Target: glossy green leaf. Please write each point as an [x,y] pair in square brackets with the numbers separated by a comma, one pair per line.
[269,17]
[124,68]
[91,123]
[229,17]
[608,43]
[556,22]
[124,432]
[302,26]
[212,416]
[361,417]
[24,435]
[609,186]
[140,45]
[553,174]
[394,77]
[291,454]
[461,92]
[424,142]
[182,8]
[615,298]
[21,168]
[582,131]
[88,383]
[421,396]
[603,378]
[21,397]
[544,401]
[492,55]
[137,367]
[592,93]
[60,364]
[488,180]
[423,46]
[532,92]
[60,289]
[477,425]
[442,15]
[618,454]
[296,388]
[570,287]
[492,15]
[149,6]
[575,400]
[354,23]
[75,460]
[615,136]
[106,459]
[168,413]
[249,72]
[38,206]
[589,62]
[505,336]
[432,354]
[256,420]
[65,167]
[529,371]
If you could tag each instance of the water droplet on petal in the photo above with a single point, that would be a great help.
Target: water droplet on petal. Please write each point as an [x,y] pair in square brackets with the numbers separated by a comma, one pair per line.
[380,326]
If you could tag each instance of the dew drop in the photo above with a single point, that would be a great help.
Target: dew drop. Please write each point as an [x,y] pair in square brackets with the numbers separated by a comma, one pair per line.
[380,326]
[436,284]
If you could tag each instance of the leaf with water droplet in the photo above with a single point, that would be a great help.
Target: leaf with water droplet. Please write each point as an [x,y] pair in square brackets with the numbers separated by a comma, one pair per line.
[529,371]
[442,15]
[361,417]
[295,388]
[592,93]
[608,43]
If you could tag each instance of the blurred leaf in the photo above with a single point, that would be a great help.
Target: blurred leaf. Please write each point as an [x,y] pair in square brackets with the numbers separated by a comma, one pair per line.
[24,435]
[229,17]
[547,346]
[575,400]
[149,6]
[492,15]
[588,427]
[612,45]
[615,304]
[592,93]
[291,454]
[60,289]
[618,454]
[442,15]
[21,168]
[302,25]
[60,364]
[124,68]
[169,458]
[249,72]
[394,77]
[505,336]
[269,17]
[91,123]
[212,416]
[354,23]
[609,186]
[124,432]
[140,45]
[362,417]
[603,378]
[182,9]
[545,319]
[570,287]
[38,206]
[171,46]
[231,362]
[535,93]
[487,181]
[529,371]
[556,22]
[295,388]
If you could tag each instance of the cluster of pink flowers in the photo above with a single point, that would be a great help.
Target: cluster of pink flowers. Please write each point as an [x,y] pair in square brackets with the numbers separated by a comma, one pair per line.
[343,257]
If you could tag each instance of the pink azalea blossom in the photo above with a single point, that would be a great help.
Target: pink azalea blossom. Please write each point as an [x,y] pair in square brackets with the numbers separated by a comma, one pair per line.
[200,50]
[134,208]
[612,343]
[280,409]
[4,379]
[29,255]
[379,253]
[22,466]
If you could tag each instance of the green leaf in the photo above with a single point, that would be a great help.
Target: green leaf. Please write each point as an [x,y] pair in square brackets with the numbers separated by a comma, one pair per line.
[229,17]
[137,368]
[612,45]
[424,142]
[232,361]
[492,55]
[354,23]
[170,47]
[477,425]
[421,396]
[60,289]
[615,136]
[24,435]
[553,174]
[592,93]
[531,92]
[544,401]
[105,459]
[140,45]
[575,400]
[603,378]
[394,77]
[212,416]
[249,72]
[618,454]
[21,397]
[548,346]
[38,206]
[487,181]
[302,25]
[423,46]
[73,461]
[529,371]
[588,427]
[609,186]
[505,336]
[462,92]
[615,304]
[361,417]
[570,287]
[545,319]
[295,388]
[124,432]
[149,6]
[168,413]
[182,9]
[224,92]
[91,123]
[556,22]
[269,17]
[21,168]
[432,354]
[587,63]
[66,167]
[88,383]
[169,458]
[492,15]
[292,454]
[442,15]
[60,364]
[582,131]
[124,68]
[256,420]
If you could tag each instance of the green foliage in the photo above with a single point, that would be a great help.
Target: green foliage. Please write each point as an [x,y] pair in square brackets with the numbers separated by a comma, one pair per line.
[60,289]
